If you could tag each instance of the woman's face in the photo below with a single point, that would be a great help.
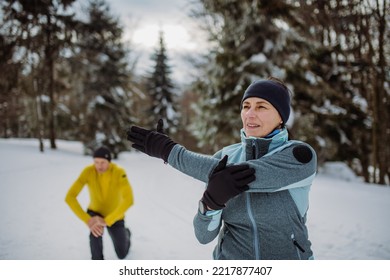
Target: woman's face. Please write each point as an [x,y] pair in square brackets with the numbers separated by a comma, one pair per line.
[259,117]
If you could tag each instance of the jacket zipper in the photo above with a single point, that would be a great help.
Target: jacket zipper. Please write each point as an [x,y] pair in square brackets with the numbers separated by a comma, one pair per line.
[298,247]
[256,243]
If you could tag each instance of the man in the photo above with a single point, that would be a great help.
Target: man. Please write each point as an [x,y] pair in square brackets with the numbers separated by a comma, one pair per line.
[111,195]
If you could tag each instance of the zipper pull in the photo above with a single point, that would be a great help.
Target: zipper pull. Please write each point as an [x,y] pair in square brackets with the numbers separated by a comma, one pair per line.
[253,150]
[297,244]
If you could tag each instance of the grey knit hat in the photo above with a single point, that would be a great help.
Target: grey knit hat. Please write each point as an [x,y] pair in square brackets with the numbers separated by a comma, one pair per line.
[274,93]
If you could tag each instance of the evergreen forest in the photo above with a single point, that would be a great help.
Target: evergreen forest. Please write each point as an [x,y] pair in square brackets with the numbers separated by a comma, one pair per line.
[67,73]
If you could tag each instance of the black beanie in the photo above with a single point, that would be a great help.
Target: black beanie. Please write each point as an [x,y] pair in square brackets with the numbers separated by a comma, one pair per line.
[102,152]
[274,93]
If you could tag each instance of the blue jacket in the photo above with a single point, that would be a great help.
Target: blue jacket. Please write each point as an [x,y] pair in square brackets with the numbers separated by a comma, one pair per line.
[267,221]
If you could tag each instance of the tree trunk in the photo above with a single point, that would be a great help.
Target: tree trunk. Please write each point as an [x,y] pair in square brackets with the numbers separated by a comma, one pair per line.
[50,66]
[383,100]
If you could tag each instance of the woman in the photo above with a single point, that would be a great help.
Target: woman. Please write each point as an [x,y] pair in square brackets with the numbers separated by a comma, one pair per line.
[256,218]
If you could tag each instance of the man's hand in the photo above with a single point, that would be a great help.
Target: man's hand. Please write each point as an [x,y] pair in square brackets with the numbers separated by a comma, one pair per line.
[96,225]
[153,143]
[226,182]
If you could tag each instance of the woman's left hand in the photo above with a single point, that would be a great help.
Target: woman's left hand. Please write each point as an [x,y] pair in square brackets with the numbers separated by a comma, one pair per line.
[226,182]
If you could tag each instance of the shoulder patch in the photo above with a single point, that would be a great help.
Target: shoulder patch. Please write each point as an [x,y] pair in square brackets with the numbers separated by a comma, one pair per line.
[302,153]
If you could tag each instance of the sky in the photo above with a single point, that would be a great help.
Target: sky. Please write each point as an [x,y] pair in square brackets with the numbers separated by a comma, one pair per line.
[144,19]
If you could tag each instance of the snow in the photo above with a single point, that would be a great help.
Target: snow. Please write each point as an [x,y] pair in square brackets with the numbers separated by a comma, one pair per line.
[347,219]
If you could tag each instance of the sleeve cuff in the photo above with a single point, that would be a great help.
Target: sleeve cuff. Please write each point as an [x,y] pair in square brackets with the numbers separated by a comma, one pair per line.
[213,213]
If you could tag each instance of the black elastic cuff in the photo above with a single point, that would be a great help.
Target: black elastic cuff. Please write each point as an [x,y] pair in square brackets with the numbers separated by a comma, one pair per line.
[210,202]
[167,150]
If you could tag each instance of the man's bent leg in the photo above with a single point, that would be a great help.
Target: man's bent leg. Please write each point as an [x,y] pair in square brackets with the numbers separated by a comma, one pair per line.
[120,236]
[96,243]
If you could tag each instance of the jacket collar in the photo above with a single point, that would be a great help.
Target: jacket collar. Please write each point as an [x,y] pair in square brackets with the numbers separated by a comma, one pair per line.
[257,147]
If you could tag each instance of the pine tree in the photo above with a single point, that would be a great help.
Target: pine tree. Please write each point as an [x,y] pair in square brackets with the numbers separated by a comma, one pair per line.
[10,104]
[40,29]
[250,42]
[161,91]
[103,86]
[331,54]
[348,64]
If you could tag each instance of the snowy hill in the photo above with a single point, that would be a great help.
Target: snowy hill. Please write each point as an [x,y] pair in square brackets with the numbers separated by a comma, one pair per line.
[347,219]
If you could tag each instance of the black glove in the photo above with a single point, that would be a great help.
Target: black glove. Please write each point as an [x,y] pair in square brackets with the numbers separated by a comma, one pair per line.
[153,143]
[226,182]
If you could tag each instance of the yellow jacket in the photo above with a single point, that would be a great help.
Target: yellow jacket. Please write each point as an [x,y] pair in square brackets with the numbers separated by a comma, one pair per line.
[110,193]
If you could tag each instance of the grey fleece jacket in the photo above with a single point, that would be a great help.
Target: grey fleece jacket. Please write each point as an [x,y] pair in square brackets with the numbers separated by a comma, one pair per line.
[267,221]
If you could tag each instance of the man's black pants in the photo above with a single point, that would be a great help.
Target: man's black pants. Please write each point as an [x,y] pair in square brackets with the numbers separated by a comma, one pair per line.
[119,234]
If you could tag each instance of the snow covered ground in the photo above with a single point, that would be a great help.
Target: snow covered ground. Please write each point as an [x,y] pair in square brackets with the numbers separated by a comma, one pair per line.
[347,219]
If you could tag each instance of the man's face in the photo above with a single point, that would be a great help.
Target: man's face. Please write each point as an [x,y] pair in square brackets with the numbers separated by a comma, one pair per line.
[101,164]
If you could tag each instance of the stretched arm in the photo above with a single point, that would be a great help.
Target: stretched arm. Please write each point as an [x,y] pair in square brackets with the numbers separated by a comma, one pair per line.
[290,168]
[193,164]
[293,167]
[159,145]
